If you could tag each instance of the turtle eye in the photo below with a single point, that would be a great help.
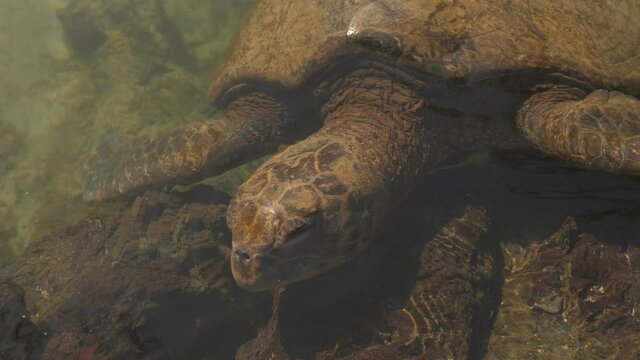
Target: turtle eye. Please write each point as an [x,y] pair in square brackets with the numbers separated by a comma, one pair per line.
[297,233]
[305,232]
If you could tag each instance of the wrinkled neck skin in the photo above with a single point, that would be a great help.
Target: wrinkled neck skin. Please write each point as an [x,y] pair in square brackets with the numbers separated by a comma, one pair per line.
[378,121]
[318,203]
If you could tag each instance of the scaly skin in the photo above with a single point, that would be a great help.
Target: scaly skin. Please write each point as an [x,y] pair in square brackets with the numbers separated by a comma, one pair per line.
[600,130]
[254,125]
[472,40]
[437,321]
[317,204]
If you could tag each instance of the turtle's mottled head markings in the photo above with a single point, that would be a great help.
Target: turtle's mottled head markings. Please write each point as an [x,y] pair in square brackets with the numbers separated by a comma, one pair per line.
[296,217]
[318,203]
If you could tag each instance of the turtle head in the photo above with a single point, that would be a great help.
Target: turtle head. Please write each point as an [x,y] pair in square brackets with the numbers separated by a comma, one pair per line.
[296,217]
[317,204]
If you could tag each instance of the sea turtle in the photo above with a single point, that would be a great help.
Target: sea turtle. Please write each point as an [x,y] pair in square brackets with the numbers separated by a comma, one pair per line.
[358,87]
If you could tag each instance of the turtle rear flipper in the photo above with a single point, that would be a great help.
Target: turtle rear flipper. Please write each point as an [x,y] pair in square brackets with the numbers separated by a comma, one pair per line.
[600,130]
[253,126]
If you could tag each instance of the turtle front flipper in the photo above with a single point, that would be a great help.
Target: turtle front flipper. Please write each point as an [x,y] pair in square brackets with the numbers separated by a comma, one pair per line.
[253,126]
[600,130]
[451,301]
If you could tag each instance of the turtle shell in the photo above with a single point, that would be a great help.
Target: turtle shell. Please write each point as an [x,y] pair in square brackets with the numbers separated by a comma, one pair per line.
[287,42]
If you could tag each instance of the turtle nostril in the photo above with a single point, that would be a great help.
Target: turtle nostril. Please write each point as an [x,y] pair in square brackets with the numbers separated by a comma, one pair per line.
[242,255]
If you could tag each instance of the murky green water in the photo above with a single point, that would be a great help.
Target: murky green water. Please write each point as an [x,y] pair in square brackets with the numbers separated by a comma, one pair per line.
[73,70]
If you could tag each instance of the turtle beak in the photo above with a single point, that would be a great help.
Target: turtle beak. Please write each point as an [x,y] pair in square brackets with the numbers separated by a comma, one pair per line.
[276,267]
[255,271]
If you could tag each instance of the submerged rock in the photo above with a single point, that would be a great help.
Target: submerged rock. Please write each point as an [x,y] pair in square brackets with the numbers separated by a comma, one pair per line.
[81,33]
[571,296]
[267,345]
[151,280]
[450,306]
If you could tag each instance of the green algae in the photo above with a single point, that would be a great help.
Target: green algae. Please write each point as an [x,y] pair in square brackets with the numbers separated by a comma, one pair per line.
[74,70]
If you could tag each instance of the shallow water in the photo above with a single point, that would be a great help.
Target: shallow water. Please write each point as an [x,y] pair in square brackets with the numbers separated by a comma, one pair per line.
[73,70]
[80,72]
